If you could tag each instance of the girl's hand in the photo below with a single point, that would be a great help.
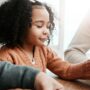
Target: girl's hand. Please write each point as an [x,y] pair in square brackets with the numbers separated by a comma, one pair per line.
[44,82]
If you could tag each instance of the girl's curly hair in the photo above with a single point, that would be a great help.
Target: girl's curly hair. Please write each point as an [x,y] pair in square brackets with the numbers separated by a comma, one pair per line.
[16,18]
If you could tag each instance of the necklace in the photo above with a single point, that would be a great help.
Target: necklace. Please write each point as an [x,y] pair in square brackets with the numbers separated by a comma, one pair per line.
[28,56]
[33,60]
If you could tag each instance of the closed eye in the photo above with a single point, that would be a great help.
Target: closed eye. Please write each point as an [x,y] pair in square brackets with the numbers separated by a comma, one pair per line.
[39,26]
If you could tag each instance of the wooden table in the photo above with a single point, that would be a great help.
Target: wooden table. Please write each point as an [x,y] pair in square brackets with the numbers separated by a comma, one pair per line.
[73,85]
[70,85]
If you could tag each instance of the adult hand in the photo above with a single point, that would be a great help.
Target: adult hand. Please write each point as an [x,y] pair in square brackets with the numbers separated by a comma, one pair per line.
[44,82]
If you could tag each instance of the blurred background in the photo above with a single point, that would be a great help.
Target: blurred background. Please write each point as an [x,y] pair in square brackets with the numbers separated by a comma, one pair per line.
[68,16]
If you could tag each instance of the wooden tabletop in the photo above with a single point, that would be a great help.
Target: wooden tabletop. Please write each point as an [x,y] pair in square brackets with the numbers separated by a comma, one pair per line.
[74,85]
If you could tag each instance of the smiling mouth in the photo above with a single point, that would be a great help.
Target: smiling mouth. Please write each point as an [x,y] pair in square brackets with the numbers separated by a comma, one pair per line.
[43,39]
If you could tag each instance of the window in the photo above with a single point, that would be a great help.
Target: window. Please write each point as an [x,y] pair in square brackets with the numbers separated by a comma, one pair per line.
[75,10]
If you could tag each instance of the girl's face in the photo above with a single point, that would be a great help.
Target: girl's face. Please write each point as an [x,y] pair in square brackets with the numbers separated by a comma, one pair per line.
[39,31]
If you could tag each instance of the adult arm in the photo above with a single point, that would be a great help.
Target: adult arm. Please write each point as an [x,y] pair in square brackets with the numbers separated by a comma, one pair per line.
[80,44]
[14,76]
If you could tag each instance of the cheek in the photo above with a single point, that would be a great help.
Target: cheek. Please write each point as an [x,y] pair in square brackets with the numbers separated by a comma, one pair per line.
[32,36]
[36,32]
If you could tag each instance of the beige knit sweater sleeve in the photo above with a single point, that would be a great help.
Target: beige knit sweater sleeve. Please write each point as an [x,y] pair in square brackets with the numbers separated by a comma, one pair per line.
[80,44]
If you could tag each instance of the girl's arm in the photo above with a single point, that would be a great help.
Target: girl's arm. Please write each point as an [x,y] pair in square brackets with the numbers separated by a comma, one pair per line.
[66,70]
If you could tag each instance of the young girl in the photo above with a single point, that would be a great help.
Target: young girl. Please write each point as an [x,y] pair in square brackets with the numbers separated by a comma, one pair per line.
[24,27]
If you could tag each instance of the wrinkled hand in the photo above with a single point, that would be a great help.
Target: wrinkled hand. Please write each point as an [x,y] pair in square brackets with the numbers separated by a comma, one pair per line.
[44,82]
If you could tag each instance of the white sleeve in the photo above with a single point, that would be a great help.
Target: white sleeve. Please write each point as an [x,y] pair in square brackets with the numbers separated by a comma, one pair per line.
[80,44]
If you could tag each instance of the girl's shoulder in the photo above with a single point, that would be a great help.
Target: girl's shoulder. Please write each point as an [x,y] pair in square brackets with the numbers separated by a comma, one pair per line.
[7,51]
[3,50]
[4,54]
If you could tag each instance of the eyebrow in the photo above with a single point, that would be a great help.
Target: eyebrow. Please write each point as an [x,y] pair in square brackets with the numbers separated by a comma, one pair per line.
[40,21]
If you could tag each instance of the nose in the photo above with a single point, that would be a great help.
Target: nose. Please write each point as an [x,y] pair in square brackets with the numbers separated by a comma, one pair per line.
[46,32]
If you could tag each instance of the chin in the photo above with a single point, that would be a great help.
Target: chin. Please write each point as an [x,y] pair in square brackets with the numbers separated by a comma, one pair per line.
[40,44]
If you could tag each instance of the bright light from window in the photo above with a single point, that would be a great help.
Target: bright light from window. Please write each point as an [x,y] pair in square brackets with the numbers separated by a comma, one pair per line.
[75,10]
